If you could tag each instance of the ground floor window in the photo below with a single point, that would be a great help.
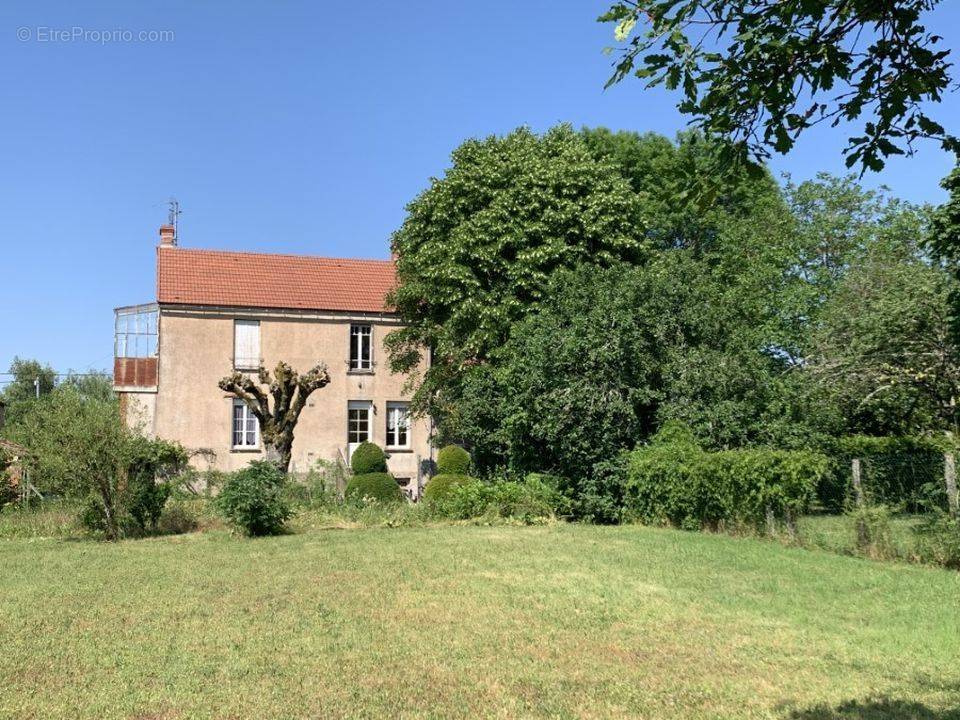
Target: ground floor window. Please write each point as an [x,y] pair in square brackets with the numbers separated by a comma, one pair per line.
[398,425]
[246,429]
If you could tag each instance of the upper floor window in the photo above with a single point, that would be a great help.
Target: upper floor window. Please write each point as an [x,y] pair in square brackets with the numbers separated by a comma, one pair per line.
[398,425]
[246,429]
[135,332]
[361,352]
[246,344]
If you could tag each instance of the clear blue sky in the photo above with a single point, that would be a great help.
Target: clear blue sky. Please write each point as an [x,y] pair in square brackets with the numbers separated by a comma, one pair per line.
[288,126]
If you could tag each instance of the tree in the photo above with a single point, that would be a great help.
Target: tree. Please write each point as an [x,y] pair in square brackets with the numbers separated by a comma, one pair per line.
[31,379]
[760,72]
[882,353]
[80,448]
[944,237]
[694,334]
[288,392]
[684,197]
[478,246]
[92,384]
[581,380]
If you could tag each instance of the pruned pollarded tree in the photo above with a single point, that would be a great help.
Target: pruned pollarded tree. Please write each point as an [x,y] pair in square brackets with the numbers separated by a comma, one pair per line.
[288,391]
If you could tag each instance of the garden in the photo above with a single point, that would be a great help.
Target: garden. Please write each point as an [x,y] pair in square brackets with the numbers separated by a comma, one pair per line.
[690,461]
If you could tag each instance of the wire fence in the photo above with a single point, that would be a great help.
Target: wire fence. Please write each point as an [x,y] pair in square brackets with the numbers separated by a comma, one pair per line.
[913,481]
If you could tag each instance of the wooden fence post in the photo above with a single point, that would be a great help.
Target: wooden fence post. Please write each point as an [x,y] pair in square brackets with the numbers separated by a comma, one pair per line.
[950,477]
[857,484]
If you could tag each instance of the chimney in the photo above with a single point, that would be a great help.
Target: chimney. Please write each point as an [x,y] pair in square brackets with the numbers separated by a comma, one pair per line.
[168,236]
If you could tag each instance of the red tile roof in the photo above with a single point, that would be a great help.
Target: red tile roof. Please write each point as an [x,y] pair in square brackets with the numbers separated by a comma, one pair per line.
[301,282]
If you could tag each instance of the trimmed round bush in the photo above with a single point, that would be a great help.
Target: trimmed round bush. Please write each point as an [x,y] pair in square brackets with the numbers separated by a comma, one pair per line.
[453,460]
[368,458]
[379,486]
[441,486]
[252,499]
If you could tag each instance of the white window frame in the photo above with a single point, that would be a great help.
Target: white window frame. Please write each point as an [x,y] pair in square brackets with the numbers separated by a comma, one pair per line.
[251,359]
[246,415]
[358,333]
[361,406]
[136,332]
[394,410]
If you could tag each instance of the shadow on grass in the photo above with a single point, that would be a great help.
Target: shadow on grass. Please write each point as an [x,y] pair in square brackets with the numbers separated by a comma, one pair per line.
[878,709]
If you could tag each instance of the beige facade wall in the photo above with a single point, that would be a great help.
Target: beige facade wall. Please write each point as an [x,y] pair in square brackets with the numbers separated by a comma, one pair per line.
[139,409]
[196,351]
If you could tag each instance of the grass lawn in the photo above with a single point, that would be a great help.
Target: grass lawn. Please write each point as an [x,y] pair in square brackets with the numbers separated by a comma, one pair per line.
[460,621]
[837,534]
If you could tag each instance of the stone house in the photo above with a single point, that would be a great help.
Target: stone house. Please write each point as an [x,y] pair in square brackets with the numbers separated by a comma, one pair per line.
[218,311]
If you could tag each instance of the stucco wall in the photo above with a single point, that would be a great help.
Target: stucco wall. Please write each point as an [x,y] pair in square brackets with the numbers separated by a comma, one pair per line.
[196,350]
[138,410]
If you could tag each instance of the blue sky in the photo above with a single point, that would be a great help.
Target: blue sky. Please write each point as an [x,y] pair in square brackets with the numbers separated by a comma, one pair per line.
[283,127]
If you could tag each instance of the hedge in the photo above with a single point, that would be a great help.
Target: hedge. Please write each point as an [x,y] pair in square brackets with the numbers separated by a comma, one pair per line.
[674,481]
[532,500]
[379,486]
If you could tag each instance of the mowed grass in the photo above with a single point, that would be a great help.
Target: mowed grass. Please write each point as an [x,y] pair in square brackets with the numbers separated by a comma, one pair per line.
[837,533]
[462,621]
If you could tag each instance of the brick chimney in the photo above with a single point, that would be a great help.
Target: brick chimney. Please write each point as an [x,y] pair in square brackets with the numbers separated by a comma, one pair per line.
[168,237]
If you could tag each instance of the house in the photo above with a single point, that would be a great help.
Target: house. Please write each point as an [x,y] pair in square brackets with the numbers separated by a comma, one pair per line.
[216,312]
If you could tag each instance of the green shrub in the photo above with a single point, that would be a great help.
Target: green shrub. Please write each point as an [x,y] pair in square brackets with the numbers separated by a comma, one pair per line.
[440,486]
[252,500]
[453,460]
[368,458]
[152,464]
[378,486]
[938,540]
[674,481]
[535,498]
[147,498]
[179,517]
[599,497]
[465,500]
[872,533]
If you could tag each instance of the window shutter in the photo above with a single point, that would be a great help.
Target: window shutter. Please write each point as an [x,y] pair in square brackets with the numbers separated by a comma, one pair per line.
[246,343]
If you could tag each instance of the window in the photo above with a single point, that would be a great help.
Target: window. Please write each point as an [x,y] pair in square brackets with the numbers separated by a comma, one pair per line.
[135,332]
[246,429]
[358,422]
[398,425]
[246,344]
[361,357]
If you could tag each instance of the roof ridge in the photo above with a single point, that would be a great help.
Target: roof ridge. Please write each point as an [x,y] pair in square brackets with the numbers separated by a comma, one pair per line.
[282,255]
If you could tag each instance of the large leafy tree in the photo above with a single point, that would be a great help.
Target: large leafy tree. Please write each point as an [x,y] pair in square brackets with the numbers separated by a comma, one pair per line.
[612,352]
[477,247]
[882,355]
[876,353]
[685,197]
[760,72]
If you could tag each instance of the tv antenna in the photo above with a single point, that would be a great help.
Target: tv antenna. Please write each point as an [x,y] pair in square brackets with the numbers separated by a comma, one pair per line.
[173,214]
